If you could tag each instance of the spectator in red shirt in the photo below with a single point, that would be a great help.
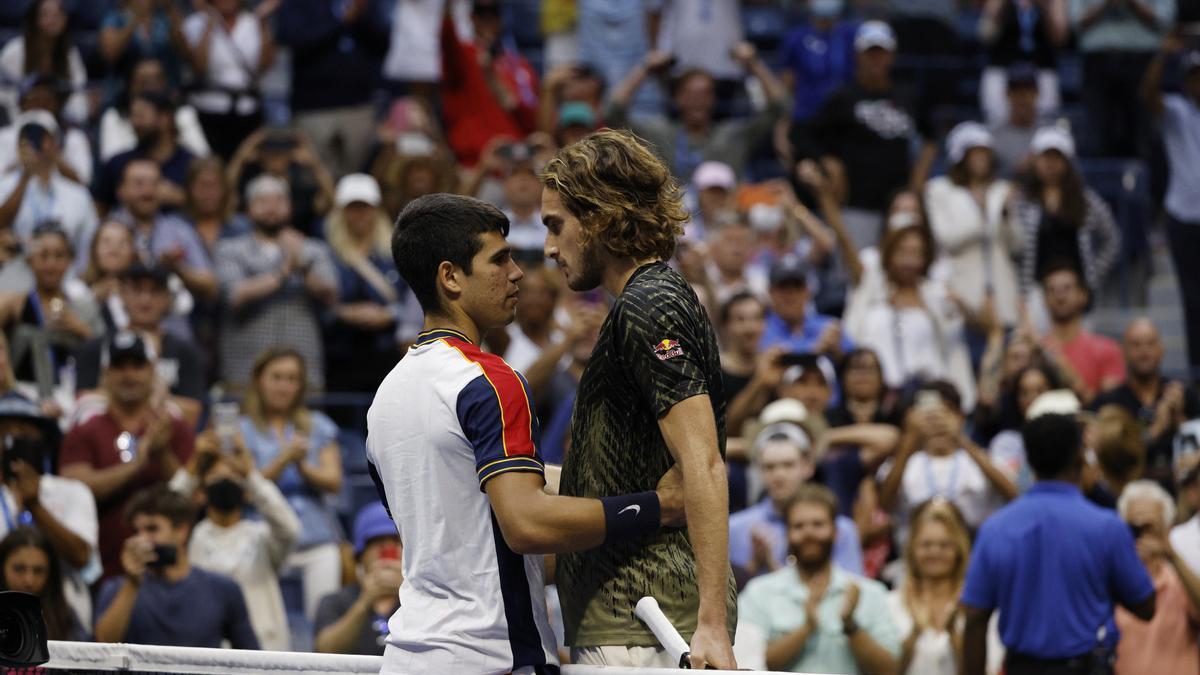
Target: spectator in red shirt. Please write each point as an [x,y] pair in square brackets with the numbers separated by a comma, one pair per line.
[1094,360]
[488,90]
[133,445]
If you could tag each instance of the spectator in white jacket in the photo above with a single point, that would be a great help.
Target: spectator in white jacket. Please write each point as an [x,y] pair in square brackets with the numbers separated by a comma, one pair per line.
[251,552]
[970,217]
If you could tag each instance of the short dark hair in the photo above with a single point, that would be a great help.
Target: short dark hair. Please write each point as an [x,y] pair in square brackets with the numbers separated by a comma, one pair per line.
[813,493]
[440,228]
[1064,265]
[1052,443]
[160,101]
[162,501]
[945,389]
[739,297]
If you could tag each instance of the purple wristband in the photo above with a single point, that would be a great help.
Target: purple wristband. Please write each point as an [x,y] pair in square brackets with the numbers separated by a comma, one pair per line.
[630,516]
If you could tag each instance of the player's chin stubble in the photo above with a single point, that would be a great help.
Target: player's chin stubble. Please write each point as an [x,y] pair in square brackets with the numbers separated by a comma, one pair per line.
[590,271]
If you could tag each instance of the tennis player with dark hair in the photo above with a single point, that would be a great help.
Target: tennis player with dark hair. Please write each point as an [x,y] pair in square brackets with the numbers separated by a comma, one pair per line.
[651,397]
[452,444]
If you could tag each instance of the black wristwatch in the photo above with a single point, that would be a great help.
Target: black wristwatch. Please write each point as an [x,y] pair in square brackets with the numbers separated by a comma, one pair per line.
[850,626]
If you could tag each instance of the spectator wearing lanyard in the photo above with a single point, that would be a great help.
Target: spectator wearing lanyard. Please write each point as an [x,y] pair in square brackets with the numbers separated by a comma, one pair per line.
[936,460]
[1053,564]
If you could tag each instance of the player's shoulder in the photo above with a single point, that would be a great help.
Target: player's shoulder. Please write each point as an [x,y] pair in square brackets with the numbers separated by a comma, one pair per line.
[656,290]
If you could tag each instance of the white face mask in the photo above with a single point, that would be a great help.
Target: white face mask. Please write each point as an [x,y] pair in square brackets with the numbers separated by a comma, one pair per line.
[826,9]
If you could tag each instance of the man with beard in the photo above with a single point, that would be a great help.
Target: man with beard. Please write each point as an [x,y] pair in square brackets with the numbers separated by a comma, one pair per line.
[650,397]
[161,238]
[274,282]
[827,620]
[1093,360]
[152,116]
[133,445]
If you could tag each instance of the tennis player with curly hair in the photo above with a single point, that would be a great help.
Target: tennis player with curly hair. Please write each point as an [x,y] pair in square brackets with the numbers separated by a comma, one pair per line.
[650,397]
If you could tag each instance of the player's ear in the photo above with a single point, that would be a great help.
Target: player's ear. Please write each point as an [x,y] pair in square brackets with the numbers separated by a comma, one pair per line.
[450,278]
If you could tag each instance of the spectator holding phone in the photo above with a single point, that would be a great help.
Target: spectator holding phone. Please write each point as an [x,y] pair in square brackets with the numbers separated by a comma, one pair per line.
[1168,642]
[249,551]
[146,605]
[354,620]
[61,509]
[937,460]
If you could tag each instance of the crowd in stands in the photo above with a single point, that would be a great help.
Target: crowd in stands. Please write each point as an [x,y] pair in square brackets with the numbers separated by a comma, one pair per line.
[905,224]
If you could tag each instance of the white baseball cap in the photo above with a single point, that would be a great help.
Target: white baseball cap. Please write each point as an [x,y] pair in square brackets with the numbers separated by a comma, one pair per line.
[964,137]
[1053,138]
[357,187]
[1055,402]
[783,410]
[714,175]
[874,34]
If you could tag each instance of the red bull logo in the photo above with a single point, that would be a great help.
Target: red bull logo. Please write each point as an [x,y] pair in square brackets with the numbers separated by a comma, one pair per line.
[667,349]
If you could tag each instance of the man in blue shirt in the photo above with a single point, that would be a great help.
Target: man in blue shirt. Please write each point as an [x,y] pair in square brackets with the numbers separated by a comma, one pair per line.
[785,458]
[818,58]
[1053,564]
[162,599]
[790,324]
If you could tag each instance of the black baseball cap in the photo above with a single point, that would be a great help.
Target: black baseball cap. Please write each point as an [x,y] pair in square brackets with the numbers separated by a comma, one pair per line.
[789,269]
[140,270]
[125,347]
[1022,74]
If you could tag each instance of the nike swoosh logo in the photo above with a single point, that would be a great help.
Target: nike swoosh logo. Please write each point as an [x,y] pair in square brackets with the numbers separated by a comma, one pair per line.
[637,508]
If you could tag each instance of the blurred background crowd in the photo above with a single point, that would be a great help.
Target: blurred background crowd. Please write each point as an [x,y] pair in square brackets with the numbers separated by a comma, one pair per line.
[912,220]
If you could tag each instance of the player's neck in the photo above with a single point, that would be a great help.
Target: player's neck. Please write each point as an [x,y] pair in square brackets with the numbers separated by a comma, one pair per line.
[457,324]
[618,271]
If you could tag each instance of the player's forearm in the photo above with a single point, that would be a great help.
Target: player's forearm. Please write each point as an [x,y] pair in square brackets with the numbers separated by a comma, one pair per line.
[553,524]
[706,503]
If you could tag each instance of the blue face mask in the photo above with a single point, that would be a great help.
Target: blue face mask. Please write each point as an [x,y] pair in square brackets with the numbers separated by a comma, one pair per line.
[826,9]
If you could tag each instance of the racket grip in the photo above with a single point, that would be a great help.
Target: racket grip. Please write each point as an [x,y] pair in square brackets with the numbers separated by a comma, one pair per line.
[651,614]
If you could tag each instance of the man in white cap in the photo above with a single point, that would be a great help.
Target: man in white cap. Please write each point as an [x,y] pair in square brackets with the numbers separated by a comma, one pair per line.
[863,134]
[273,281]
[713,184]
[1178,116]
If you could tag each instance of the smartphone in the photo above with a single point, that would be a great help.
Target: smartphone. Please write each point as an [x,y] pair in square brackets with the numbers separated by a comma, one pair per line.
[225,423]
[166,555]
[389,551]
[803,359]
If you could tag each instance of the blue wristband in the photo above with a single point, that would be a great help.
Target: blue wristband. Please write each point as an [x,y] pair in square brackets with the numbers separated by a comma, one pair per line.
[630,516]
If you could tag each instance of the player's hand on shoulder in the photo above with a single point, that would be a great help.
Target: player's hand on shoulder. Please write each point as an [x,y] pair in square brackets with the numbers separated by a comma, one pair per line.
[670,498]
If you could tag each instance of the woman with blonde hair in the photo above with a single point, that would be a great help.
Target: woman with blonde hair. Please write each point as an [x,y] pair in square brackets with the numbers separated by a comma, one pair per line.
[925,605]
[297,448]
[376,311]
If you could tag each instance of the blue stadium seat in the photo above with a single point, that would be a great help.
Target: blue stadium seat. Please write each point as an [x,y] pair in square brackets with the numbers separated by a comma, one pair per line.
[354,451]
[358,490]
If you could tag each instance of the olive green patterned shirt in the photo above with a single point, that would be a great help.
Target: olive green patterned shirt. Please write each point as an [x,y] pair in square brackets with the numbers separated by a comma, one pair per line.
[655,349]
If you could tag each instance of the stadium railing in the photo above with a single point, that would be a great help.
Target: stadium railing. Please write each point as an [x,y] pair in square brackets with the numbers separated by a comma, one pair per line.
[87,658]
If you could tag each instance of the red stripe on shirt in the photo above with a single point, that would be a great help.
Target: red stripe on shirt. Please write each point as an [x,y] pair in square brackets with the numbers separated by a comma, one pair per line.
[516,412]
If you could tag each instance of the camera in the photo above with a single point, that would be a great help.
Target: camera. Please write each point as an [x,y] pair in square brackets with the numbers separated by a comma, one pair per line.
[22,631]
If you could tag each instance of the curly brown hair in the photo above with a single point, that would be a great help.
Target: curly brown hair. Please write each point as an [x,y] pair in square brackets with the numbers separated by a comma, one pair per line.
[624,197]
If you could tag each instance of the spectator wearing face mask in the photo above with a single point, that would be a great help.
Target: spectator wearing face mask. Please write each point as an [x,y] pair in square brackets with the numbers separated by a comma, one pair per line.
[249,551]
